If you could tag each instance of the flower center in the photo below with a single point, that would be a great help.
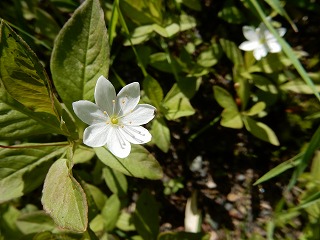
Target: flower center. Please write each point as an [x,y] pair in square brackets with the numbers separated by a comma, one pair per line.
[114,120]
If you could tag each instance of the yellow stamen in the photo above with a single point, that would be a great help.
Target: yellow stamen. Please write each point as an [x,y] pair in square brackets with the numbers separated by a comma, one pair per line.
[114,120]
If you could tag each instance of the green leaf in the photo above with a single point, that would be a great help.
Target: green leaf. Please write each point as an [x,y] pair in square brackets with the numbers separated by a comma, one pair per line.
[282,167]
[83,154]
[309,153]
[64,199]
[8,227]
[255,109]
[231,118]
[97,195]
[153,90]
[224,98]
[230,115]
[260,130]
[22,75]
[143,12]
[16,125]
[232,51]
[193,4]
[210,56]
[140,163]
[35,222]
[19,111]
[139,35]
[176,104]
[125,222]
[80,54]
[115,180]
[24,169]
[160,134]
[111,212]
[146,216]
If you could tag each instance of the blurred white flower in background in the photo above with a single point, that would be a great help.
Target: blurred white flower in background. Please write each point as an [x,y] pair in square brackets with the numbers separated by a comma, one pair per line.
[115,120]
[261,41]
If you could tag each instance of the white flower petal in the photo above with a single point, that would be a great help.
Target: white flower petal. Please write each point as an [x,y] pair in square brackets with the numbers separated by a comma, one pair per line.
[128,98]
[260,52]
[249,45]
[136,135]
[250,33]
[274,46]
[96,135]
[142,114]
[88,112]
[104,94]
[117,144]
[282,31]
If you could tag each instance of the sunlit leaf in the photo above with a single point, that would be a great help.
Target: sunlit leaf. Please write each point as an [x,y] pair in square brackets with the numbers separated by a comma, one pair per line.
[140,163]
[111,212]
[22,75]
[15,125]
[81,54]
[255,109]
[210,56]
[143,11]
[35,222]
[260,130]
[231,118]
[176,104]
[24,169]
[160,134]
[64,199]
[115,180]
[153,90]
[282,167]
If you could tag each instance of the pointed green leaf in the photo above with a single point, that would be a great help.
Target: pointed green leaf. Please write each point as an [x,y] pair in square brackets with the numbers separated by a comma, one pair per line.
[50,121]
[231,118]
[24,169]
[282,167]
[230,115]
[35,222]
[81,54]
[232,51]
[115,180]
[224,98]
[140,163]
[260,130]
[22,74]
[142,12]
[16,125]
[161,134]
[64,199]
[146,217]
[176,104]
[111,212]
[153,90]
[255,109]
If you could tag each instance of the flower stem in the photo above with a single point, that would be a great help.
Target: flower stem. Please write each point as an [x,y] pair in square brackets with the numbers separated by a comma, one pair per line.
[195,135]
[36,145]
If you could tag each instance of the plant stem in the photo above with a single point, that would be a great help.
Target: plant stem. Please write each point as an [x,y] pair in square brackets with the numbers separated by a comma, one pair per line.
[36,145]
[195,135]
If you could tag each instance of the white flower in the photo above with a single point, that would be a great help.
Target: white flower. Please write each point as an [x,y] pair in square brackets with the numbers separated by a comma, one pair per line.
[115,120]
[260,41]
